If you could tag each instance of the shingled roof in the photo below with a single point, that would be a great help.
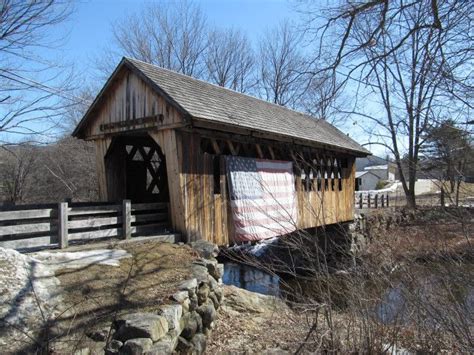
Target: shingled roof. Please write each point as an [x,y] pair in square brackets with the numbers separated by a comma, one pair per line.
[204,101]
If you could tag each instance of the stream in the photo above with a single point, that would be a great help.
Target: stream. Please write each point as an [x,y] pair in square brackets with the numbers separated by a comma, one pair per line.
[428,293]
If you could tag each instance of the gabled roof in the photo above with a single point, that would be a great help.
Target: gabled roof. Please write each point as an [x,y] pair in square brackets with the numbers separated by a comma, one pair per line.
[204,101]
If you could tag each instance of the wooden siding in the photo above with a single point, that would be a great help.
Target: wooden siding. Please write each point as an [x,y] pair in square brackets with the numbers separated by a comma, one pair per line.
[130,104]
[207,214]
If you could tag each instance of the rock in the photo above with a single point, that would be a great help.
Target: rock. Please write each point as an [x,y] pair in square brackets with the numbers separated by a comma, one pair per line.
[239,300]
[205,249]
[137,346]
[213,298]
[207,313]
[193,303]
[203,293]
[184,346]
[219,294]
[213,284]
[192,324]
[181,296]
[199,341]
[173,314]
[200,273]
[142,325]
[189,285]
[213,268]
[82,351]
[220,271]
[113,347]
[160,348]
[100,335]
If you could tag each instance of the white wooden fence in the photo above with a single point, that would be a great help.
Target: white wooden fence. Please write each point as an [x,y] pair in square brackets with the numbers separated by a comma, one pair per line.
[34,226]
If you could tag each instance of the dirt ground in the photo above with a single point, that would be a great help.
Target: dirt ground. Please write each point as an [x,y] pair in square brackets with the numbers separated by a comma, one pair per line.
[95,294]
[273,326]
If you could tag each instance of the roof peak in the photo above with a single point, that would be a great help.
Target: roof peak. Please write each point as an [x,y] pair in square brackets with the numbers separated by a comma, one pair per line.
[224,88]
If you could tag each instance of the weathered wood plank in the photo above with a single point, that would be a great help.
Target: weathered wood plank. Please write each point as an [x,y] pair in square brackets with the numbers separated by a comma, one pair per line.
[149,206]
[102,233]
[27,228]
[27,243]
[26,214]
[94,222]
[150,217]
[94,210]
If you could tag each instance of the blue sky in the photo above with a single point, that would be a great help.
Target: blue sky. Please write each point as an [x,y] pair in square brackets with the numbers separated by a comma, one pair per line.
[89,29]
[90,26]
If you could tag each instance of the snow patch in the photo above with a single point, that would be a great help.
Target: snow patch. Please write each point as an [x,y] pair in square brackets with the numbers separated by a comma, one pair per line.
[79,259]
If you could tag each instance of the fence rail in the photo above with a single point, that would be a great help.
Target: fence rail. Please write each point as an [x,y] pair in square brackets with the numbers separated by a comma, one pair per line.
[35,226]
[374,200]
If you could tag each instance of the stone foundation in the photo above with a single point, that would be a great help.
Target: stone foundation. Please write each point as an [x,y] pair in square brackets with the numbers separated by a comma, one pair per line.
[182,325]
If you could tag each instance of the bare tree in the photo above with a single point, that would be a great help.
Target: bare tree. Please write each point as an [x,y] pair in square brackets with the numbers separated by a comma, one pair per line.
[230,60]
[408,64]
[324,98]
[29,83]
[280,67]
[16,169]
[171,35]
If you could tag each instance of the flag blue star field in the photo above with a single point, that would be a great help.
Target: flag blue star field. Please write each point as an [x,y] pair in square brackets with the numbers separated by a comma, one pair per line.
[263,197]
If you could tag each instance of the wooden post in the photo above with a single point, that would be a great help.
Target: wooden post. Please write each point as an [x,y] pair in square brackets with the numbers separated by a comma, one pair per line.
[361,201]
[382,198]
[126,219]
[368,200]
[376,200]
[62,225]
[388,199]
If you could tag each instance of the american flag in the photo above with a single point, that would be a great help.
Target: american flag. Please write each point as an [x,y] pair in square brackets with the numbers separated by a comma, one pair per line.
[263,197]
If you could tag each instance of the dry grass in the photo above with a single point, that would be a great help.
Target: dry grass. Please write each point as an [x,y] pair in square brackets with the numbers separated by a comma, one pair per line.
[94,294]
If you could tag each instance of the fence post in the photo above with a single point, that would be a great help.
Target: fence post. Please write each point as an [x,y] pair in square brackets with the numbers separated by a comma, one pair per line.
[382,200]
[62,225]
[126,219]
[361,201]
[368,200]
[376,200]
[388,199]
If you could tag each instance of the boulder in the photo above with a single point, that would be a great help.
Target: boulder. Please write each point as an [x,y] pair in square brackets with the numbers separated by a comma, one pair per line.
[100,335]
[165,345]
[142,325]
[180,296]
[184,346]
[207,313]
[172,313]
[203,293]
[199,342]
[137,346]
[219,294]
[200,273]
[213,268]
[215,302]
[238,299]
[189,285]
[205,249]
[192,324]
[113,347]
[193,303]
[213,284]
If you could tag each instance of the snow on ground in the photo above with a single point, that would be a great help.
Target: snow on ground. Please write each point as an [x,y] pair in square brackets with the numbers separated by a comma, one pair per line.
[30,294]
[79,259]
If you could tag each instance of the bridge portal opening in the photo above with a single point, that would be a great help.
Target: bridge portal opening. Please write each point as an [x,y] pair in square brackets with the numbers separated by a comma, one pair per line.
[136,170]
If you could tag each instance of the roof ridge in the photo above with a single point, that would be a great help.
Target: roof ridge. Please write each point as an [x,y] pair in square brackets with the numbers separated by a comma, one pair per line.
[228,89]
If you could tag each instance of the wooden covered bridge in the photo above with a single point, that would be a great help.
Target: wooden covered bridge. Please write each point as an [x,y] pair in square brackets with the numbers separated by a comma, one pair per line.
[165,137]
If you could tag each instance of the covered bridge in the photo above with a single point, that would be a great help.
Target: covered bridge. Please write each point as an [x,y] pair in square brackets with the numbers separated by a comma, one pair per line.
[217,157]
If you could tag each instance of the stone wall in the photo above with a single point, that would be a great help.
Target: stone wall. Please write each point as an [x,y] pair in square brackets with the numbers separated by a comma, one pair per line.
[182,326]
